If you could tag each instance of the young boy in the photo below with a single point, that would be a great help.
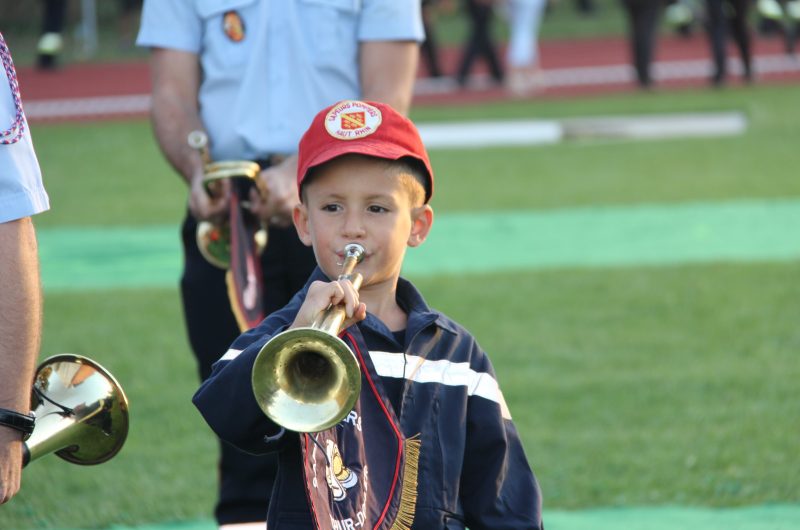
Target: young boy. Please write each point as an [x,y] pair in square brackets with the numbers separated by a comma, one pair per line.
[430,443]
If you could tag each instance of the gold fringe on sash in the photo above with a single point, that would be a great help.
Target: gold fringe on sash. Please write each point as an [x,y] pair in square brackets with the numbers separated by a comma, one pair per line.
[408,495]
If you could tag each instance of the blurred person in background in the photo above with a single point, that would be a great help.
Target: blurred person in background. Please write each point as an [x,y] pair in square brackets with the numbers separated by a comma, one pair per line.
[21,196]
[780,17]
[252,76]
[479,43]
[721,14]
[51,42]
[524,69]
[643,18]
[586,7]
[429,47]
[129,12]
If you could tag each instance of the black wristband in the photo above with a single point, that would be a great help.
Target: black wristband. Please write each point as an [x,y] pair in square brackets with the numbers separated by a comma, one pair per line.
[21,422]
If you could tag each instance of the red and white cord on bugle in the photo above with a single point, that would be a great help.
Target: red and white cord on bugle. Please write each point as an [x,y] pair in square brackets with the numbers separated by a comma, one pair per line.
[236,244]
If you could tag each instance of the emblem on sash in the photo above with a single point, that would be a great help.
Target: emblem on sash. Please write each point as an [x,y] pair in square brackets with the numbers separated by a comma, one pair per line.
[233,26]
[340,478]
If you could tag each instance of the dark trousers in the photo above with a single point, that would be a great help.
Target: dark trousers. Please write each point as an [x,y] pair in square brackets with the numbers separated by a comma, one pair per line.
[643,17]
[430,52]
[479,43]
[53,16]
[718,33]
[429,47]
[245,481]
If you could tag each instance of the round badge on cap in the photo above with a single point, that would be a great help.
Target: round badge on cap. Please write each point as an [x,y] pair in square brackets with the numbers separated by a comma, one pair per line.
[350,120]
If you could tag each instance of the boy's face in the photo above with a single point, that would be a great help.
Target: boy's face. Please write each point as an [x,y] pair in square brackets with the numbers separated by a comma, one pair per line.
[359,200]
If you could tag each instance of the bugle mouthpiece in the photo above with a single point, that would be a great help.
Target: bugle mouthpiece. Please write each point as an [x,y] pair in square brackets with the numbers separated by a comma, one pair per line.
[354,250]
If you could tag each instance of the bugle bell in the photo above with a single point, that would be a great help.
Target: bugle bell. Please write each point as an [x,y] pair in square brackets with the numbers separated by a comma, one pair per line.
[307,379]
[80,411]
[214,239]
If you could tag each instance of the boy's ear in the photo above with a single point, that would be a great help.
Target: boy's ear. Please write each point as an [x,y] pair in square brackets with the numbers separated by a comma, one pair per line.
[421,223]
[300,218]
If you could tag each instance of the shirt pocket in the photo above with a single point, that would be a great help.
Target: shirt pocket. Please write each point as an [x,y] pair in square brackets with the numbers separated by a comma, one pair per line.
[331,26]
[228,30]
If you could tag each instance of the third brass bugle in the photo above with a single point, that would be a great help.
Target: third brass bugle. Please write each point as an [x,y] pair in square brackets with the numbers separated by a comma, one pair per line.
[214,240]
[307,379]
[81,411]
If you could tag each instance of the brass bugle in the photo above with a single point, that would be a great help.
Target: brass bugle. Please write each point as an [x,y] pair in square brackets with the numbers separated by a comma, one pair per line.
[306,379]
[214,239]
[80,411]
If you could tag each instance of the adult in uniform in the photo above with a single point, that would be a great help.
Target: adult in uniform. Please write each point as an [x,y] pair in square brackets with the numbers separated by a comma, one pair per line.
[21,195]
[253,74]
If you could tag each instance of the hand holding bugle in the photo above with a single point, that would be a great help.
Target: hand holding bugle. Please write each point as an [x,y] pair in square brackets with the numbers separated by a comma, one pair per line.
[306,379]
[214,239]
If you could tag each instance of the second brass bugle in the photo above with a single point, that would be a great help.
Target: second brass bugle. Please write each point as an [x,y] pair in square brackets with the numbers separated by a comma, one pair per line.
[214,239]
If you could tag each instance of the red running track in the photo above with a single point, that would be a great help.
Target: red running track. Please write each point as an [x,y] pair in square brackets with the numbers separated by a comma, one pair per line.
[571,68]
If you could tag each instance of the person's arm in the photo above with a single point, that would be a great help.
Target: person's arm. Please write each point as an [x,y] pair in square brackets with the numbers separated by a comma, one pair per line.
[174,114]
[226,400]
[388,70]
[20,329]
[498,488]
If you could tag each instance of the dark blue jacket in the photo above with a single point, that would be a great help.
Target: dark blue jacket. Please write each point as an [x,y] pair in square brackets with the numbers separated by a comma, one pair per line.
[472,470]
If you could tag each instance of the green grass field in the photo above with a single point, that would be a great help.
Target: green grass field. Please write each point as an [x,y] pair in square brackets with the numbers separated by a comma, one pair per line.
[631,386]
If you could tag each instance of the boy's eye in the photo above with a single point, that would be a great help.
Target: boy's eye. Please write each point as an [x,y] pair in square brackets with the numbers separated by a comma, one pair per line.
[377,209]
[331,208]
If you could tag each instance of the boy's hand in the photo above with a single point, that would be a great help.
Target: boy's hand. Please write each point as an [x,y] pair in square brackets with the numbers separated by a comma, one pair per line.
[322,295]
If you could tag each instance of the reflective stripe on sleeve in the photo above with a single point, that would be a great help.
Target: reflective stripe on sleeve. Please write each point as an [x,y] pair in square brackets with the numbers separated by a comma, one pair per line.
[443,372]
[230,354]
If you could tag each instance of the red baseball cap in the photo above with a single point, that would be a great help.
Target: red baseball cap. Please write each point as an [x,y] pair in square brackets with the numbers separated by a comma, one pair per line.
[360,127]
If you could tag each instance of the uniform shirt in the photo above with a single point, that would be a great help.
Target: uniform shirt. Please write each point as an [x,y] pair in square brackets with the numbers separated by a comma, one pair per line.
[270,65]
[21,191]
[472,470]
